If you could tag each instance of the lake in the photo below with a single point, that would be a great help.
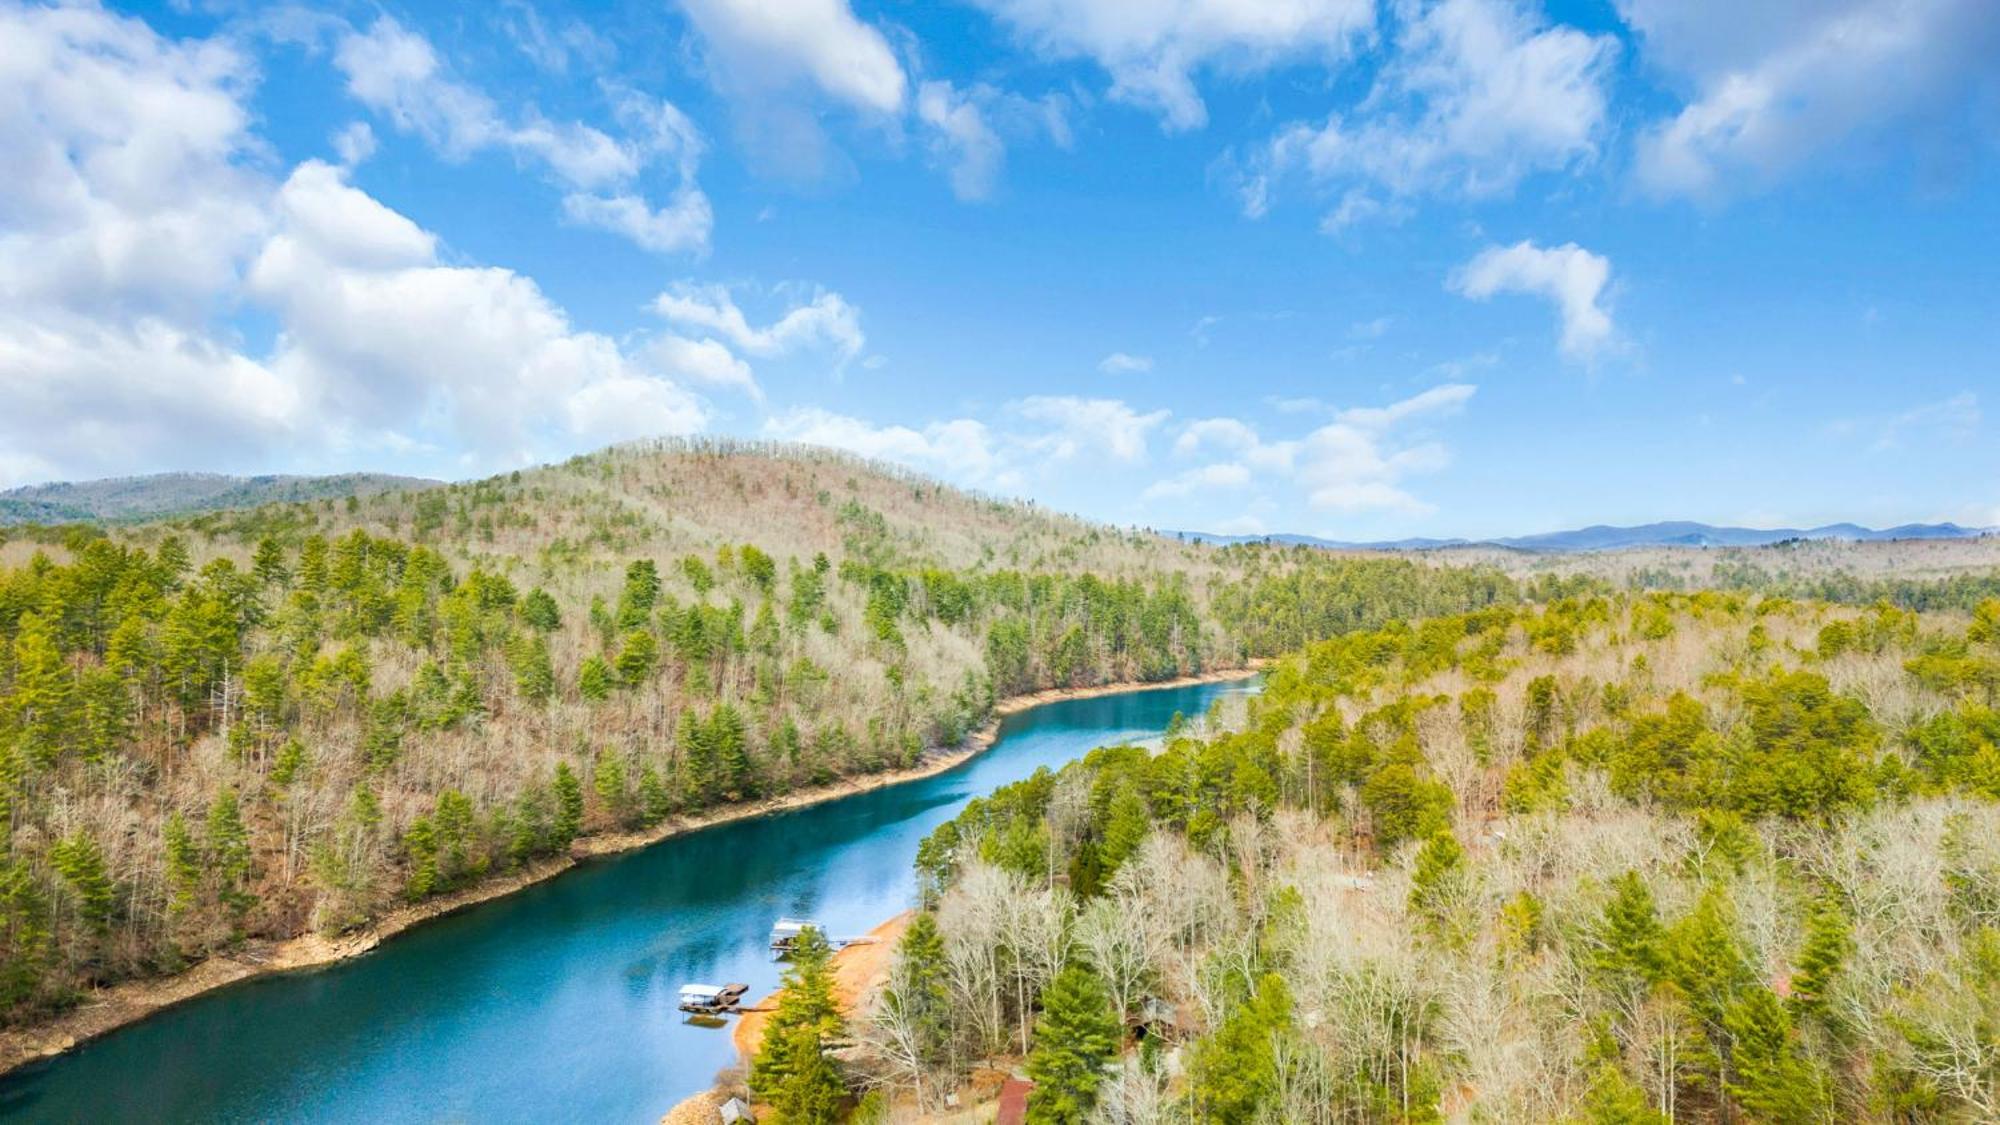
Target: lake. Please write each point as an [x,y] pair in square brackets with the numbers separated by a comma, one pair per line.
[557,1003]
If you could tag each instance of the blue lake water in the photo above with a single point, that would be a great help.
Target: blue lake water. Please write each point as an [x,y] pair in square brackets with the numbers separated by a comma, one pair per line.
[557,1003]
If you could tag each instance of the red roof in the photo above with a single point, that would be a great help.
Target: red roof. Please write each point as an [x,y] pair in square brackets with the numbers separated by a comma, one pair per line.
[1014,1101]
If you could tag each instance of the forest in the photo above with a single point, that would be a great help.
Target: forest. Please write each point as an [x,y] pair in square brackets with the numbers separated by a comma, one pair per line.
[1616,857]
[243,726]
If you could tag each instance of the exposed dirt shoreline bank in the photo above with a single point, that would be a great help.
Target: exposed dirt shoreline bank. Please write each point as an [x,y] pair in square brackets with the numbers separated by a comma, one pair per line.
[114,1007]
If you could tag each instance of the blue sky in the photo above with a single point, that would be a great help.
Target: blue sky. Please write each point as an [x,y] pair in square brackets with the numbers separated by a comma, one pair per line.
[1344,267]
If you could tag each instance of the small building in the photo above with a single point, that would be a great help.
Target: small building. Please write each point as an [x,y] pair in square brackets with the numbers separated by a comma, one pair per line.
[1154,1018]
[736,1111]
[1014,1102]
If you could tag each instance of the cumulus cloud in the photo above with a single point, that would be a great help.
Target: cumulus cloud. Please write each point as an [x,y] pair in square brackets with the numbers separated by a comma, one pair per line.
[1568,276]
[1359,462]
[707,362]
[961,449]
[379,334]
[764,44]
[1220,476]
[1152,51]
[1031,437]
[354,143]
[395,72]
[1776,84]
[136,209]
[968,129]
[825,320]
[126,187]
[1089,424]
[1479,94]
[1124,363]
[962,140]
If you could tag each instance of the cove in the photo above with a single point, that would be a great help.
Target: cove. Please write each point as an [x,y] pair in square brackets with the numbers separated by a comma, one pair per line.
[557,1003]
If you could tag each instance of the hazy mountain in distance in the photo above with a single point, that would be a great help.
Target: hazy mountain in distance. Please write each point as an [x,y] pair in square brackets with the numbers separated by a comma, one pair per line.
[1603,537]
[166,494]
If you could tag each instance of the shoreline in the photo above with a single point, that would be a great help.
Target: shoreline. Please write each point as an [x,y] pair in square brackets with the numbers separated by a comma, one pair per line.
[129,1002]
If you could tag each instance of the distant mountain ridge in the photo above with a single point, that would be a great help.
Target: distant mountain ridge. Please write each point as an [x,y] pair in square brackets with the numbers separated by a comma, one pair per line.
[1604,537]
[169,494]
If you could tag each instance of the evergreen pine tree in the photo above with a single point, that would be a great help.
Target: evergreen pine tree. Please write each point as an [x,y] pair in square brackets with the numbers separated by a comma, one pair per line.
[1770,1077]
[1826,948]
[183,861]
[791,1070]
[1126,824]
[1236,1067]
[1076,1036]
[1435,887]
[594,680]
[637,657]
[1629,937]
[569,806]
[917,1003]
[609,782]
[654,800]
[539,611]
[228,841]
[80,862]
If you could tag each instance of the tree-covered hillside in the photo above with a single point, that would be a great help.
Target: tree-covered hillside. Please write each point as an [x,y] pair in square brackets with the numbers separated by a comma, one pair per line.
[165,494]
[251,724]
[1620,859]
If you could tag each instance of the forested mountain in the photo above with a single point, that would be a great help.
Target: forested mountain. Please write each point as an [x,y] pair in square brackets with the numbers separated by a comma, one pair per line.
[164,494]
[1617,858]
[254,723]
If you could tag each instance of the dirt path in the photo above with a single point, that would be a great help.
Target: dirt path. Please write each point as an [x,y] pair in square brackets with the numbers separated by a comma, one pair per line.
[111,1008]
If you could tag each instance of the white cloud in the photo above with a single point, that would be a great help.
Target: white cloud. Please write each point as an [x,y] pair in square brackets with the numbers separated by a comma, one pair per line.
[826,320]
[1218,433]
[681,225]
[1359,462]
[704,361]
[1152,49]
[1124,363]
[387,343]
[1571,277]
[137,216]
[354,143]
[1220,476]
[962,141]
[125,187]
[127,206]
[762,45]
[1063,430]
[961,449]
[395,72]
[1479,94]
[1779,83]
[1955,418]
[1080,425]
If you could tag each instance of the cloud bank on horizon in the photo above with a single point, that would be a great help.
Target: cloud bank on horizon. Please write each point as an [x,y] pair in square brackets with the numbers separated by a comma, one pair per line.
[1356,268]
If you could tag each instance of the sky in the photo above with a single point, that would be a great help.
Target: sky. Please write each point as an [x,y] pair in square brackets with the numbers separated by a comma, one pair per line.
[1352,268]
